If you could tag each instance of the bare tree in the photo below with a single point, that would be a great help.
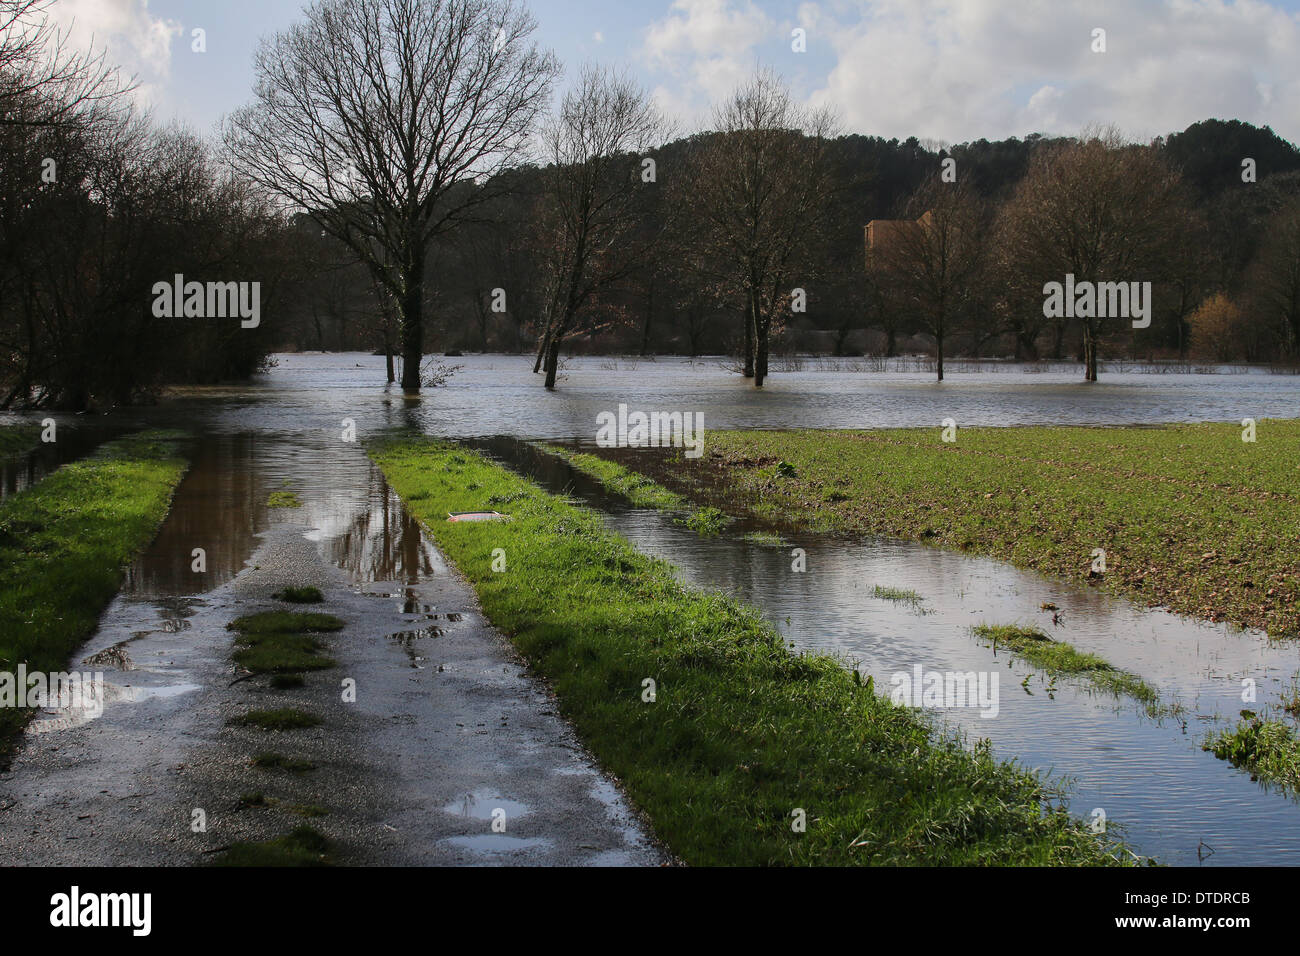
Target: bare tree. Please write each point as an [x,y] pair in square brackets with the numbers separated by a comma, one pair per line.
[760,186]
[1100,209]
[591,237]
[929,267]
[387,121]
[1275,285]
[43,82]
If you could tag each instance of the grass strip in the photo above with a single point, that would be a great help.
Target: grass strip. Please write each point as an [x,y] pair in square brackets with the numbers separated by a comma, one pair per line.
[740,739]
[303,595]
[284,718]
[1269,749]
[285,622]
[1060,658]
[63,545]
[302,846]
[280,653]
[17,439]
[1190,516]
[641,491]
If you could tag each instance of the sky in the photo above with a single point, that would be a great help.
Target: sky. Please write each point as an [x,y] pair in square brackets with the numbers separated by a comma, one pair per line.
[942,70]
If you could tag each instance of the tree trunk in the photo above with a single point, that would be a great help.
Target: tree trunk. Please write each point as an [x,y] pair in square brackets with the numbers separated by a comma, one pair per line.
[542,341]
[388,354]
[649,318]
[938,342]
[552,361]
[760,357]
[891,342]
[1089,353]
[750,316]
[413,326]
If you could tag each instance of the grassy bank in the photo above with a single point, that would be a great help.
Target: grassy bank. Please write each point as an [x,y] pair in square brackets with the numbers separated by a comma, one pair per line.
[641,491]
[1190,516]
[1058,658]
[740,739]
[63,545]
[1269,748]
[17,439]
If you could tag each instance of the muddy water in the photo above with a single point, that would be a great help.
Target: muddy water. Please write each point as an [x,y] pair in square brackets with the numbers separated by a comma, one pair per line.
[1173,800]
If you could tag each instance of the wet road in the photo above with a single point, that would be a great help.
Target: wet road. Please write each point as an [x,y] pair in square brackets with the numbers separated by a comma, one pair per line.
[449,754]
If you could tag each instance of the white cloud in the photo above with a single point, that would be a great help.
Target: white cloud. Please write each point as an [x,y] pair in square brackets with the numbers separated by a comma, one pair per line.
[961,69]
[708,48]
[134,39]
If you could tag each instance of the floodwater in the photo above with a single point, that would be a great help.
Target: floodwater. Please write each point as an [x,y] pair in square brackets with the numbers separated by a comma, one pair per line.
[285,431]
[499,395]
[1174,801]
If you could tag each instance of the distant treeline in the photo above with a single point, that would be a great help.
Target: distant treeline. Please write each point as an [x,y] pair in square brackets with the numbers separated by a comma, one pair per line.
[743,240]
[1236,246]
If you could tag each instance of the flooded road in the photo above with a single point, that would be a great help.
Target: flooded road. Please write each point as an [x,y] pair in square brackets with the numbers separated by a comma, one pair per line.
[443,720]
[1174,801]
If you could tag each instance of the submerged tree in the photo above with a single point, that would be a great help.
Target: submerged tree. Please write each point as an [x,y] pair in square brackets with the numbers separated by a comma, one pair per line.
[760,187]
[1101,210]
[388,120]
[591,236]
[929,265]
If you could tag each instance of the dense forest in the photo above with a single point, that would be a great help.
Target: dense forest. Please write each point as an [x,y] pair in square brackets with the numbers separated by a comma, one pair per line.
[98,204]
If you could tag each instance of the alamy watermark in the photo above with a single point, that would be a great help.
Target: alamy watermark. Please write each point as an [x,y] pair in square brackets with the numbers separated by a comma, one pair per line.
[208,300]
[944,689]
[1099,300]
[61,691]
[651,430]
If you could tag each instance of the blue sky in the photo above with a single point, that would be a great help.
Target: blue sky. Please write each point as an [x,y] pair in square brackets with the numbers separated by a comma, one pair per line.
[946,70]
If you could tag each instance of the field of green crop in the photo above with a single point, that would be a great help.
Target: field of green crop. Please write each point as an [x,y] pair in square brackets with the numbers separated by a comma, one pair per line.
[1189,516]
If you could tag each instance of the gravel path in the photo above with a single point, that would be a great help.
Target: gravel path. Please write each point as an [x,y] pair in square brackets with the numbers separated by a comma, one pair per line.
[450,754]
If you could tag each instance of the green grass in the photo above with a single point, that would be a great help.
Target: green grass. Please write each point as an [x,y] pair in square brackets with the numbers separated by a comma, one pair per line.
[1269,749]
[283,499]
[277,653]
[638,489]
[285,622]
[742,732]
[275,761]
[897,595]
[303,846]
[284,718]
[706,521]
[64,543]
[1190,516]
[767,539]
[303,595]
[1060,658]
[18,439]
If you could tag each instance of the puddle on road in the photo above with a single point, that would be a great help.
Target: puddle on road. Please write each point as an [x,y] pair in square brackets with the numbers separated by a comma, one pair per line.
[497,843]
[483,804]
[1149,775]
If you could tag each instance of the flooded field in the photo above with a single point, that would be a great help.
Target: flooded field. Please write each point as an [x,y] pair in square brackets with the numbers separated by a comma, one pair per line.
[1149,775]
[285,431]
